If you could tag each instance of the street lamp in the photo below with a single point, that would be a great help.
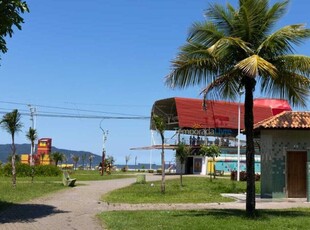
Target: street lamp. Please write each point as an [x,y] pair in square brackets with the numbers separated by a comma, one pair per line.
[33,125]
[104,139]
[239,114]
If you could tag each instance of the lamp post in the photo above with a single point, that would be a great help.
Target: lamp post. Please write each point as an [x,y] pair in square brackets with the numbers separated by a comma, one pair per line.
[104,139]
[239,114]
[33,125]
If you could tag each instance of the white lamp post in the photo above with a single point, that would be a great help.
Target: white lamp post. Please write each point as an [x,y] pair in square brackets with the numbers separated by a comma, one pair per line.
[239,114]
[104,139]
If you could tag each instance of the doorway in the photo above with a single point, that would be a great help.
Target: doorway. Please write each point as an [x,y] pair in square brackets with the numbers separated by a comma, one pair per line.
[296,174]
[189,165]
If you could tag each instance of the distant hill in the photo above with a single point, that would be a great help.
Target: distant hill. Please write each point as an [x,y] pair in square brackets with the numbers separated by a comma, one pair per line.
[5,151]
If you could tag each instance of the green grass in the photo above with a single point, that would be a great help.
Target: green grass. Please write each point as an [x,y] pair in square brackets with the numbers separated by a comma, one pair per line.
[87,175]
[195,190]
[207,219]
[25,190]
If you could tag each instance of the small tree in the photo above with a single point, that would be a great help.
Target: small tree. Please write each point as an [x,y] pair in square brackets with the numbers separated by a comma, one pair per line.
[32,136]
[127,158]
[83,160]
[108,164]
[57,157]
[210,151]
[160,127]
[75,159]
[12,124]
[181,154]
[90,158]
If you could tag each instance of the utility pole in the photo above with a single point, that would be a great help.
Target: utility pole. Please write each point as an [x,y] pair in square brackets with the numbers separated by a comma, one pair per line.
[33,124]
[104,139]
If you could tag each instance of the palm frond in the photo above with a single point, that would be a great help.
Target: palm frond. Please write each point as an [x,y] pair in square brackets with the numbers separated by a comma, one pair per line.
[192,66]
[250,18]
[293,63]
[225,45]
[275,12]
[222,18]
[288,85]
[189,73]
[281,41]
[224,86]
[204,33]
[255,65]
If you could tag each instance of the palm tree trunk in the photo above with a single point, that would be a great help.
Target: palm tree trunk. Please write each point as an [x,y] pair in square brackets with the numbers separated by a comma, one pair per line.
[250,151]
[32,152]
[13,162]
[162,167]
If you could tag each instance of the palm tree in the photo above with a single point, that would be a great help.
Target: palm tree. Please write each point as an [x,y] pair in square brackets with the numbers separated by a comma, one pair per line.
[90,158]
[57,157]
[160,127]
[181,154]
[75,159]
[12,124]
[234,49]
[83,159]
[127,158]
[32,136]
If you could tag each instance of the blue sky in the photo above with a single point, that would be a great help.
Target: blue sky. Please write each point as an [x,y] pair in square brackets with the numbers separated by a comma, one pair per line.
[108,56]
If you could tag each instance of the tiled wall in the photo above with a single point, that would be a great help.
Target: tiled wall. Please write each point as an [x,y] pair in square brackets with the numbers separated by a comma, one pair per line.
[274,145]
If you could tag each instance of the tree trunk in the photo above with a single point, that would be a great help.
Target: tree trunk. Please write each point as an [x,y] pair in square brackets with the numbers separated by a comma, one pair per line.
[214,171]
[250,151]
[13,163]
[181,178]
[162,167]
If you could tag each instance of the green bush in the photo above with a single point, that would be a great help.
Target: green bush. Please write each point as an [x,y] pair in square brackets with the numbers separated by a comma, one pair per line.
[47,170]
[24,170]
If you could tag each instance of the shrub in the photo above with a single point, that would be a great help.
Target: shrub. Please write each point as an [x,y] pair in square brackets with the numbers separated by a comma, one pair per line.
[125,169]
[22,170]
[150,171]
[47,170]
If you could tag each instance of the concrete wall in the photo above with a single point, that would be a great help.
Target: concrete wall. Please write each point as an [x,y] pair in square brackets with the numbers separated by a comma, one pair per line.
[274,146]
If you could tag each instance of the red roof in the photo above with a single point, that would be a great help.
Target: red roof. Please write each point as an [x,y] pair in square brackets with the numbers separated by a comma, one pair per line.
[286,120]
[189,113]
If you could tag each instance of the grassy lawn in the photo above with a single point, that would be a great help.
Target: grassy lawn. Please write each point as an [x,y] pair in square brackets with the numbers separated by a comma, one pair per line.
[195,190]
[25,190]
[86,175]
[207,219]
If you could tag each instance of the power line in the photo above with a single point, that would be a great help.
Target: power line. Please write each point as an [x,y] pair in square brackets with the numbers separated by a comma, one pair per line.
[70,109]
[85,116]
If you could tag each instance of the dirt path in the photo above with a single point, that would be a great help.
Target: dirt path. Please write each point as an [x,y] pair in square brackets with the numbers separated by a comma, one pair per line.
[68,209]
[76,208]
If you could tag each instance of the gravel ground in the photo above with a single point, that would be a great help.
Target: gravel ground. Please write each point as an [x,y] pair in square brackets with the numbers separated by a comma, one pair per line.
[76,208]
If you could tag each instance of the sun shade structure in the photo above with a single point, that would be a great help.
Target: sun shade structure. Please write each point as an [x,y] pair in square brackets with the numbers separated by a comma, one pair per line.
[188,113]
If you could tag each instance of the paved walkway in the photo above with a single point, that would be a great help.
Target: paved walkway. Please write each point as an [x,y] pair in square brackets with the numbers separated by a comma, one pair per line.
[76,208]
